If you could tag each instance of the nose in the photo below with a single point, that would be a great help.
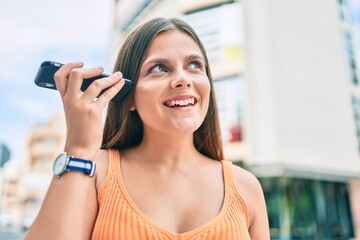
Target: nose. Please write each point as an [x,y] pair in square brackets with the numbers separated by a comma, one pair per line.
[181,80]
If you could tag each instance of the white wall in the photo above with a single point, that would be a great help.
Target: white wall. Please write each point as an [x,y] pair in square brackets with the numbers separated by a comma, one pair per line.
[299,109]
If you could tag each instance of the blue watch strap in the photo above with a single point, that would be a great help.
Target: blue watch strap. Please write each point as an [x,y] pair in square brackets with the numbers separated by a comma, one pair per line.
[81,165]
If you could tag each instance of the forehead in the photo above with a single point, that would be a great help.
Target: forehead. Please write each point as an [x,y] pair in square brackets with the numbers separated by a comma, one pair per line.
[172,42]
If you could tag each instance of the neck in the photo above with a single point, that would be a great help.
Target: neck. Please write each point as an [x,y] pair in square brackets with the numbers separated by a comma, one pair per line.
[167,151]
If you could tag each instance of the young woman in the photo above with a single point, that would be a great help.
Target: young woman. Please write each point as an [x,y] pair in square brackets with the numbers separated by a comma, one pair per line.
[160,170]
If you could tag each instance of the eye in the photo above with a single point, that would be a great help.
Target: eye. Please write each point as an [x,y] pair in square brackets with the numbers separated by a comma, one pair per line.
[157,68]
[195,65]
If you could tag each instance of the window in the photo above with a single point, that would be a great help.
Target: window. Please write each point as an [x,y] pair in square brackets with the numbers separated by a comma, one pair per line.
[220,28]
[349,14]
[307,209]
[354,8]
[229,96]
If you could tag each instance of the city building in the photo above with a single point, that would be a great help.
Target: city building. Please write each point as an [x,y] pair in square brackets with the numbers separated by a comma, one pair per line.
[24,183]
[9,195]
[43,144]
[286,79]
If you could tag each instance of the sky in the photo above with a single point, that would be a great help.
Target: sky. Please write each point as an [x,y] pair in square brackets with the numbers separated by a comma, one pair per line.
[35,31]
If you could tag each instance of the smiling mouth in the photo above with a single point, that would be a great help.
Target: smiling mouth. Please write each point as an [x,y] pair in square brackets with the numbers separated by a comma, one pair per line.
[180,103]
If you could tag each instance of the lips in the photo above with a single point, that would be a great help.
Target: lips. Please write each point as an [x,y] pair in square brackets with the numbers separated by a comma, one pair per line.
[181,102]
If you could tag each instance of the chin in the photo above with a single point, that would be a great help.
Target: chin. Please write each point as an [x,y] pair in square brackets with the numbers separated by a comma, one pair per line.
[184,129]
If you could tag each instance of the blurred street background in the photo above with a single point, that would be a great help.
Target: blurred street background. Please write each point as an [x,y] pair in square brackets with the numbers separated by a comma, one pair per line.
[286,75]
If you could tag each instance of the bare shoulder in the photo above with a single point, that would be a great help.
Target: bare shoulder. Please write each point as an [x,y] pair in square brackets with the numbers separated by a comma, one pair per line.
[251,191]
[249,187]
[246,181]
[102,166]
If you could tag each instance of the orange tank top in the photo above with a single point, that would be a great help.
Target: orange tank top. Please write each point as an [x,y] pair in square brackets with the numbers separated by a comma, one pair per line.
[119,218]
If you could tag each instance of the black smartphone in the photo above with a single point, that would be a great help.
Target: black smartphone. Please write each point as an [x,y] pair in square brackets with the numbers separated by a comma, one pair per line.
[45,78]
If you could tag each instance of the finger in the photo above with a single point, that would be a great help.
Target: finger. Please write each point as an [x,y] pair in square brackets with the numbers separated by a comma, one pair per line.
[97,86]
[77,76]
[61,75]
[106,97]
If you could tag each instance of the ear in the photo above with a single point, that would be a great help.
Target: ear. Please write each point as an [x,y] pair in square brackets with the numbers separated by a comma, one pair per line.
[132,106]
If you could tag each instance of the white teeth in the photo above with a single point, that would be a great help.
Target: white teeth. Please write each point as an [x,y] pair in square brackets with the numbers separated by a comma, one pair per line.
[184,102]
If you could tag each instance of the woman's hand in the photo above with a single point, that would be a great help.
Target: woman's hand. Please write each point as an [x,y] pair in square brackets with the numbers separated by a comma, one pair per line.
[83,110]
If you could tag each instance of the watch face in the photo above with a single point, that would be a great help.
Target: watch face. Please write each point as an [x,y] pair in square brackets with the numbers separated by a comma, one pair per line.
[60,164]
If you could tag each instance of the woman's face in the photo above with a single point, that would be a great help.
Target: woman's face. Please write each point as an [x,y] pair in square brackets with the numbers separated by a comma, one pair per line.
[172,91]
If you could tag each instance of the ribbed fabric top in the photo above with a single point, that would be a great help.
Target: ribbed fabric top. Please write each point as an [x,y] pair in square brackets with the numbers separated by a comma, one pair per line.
[120,218]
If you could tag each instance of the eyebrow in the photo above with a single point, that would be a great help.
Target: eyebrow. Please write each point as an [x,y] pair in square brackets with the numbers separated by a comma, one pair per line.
[196,56]
[165,61]
[200,58]
[155,60]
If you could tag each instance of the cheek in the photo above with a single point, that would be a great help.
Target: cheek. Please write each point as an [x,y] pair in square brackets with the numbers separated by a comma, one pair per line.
[205,92]
[145,96]
[204,89]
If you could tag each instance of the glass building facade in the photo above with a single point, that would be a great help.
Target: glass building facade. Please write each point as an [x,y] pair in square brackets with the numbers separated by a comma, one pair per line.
[307,209]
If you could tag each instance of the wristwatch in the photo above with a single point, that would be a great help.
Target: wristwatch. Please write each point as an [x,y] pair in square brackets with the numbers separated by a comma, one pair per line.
[65,162]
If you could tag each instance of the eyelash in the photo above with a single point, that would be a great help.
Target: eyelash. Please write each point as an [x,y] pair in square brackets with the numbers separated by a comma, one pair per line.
[151,69]
[198,64]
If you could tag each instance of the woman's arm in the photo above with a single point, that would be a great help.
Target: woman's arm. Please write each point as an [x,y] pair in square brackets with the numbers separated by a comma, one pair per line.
[70,207]
[250,189]
[259,228]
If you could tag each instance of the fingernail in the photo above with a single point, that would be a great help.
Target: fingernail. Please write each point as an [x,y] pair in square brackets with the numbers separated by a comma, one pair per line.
[100,68]
[118,74]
